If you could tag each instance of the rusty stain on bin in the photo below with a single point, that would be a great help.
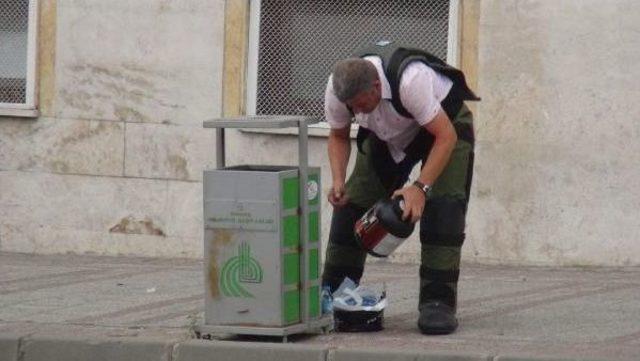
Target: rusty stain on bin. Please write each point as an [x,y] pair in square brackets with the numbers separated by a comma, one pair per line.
[220,239]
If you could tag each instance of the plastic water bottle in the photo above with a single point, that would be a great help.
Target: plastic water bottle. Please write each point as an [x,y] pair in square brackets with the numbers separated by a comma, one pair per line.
[369,301]
[327,300]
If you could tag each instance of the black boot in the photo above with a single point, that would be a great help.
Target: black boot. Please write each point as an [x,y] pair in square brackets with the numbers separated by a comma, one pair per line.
[437,318]
[437,308]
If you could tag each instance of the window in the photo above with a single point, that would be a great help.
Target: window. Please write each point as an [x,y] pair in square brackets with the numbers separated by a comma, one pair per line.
[17,57]
[294,43]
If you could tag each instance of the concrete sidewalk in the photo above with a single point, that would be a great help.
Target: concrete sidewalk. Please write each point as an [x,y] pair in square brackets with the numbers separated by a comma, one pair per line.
[83,307]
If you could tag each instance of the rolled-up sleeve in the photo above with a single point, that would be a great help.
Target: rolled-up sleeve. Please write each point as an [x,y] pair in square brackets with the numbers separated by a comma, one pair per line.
[336,113]
[417,93]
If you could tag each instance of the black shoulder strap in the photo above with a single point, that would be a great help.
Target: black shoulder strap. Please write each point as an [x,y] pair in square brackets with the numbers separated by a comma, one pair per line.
[395,59]
[383,49]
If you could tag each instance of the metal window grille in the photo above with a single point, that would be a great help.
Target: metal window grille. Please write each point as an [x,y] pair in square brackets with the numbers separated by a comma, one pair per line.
[300,40]
[14,25]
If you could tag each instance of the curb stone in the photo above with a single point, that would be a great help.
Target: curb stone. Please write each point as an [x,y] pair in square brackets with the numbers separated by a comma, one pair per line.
[46,348]
[199,350]
[381,355]
[9,345]
[524,358]
[20,347]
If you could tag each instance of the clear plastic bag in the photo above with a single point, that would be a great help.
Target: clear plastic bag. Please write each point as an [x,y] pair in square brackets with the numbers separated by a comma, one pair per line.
[351,297]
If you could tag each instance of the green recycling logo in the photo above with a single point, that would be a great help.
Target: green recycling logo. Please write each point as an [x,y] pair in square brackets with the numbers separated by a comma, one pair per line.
[240,269]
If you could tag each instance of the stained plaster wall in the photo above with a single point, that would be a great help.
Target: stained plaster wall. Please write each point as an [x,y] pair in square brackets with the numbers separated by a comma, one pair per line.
[558,153]
[113,165]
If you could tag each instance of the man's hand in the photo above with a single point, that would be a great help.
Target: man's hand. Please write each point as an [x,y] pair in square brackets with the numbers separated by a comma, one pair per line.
[414,200]
[337,195]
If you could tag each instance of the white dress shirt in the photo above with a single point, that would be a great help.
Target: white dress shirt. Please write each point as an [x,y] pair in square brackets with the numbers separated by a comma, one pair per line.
[421,91]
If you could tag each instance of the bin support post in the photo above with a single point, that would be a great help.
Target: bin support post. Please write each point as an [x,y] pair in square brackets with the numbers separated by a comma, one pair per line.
[303,162]
[220,156]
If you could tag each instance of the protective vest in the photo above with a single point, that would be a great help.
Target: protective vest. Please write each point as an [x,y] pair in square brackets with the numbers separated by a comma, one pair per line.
[395,59]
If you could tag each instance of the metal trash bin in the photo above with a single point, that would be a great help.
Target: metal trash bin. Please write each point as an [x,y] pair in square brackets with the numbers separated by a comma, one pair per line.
[252,245]
[262,240]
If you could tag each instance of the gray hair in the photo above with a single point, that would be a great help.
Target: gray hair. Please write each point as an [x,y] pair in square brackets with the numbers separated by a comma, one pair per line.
[352,76]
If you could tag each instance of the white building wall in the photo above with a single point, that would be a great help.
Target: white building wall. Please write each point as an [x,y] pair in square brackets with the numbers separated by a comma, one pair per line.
[116,167]
[558,151]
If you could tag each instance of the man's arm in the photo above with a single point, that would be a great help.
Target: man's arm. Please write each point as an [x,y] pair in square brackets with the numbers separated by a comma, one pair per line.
[339,147]
[445,139]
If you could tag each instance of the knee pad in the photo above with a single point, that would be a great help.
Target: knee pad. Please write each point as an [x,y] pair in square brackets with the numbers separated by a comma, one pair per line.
[443,222]
[439,276]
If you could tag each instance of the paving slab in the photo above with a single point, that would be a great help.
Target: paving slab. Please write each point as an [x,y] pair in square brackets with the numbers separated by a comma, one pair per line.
[504,311]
